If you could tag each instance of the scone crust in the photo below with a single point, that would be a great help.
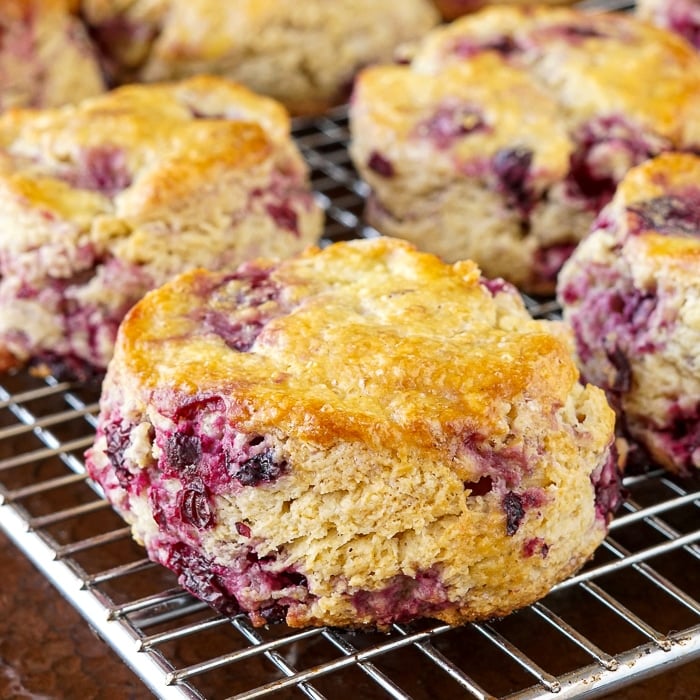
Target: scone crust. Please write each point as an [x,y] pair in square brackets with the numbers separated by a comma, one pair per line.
[103,200]
[46,57]
[632,295]
[403,440]
[529,154]
[304,55]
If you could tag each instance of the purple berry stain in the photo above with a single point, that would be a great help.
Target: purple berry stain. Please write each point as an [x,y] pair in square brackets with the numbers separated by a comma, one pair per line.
[242,529]
[675,215]
[194,505]
[284,216]
[513,507]
[380,165]
[183,450]
[449,123]
[261,468]
[118,437]
[511,166]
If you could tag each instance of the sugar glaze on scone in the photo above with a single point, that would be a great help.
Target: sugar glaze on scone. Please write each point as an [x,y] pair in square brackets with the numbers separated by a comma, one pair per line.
[507,130]
[303,53]
[631,292]
[46,57]
[101,201]
[354,436]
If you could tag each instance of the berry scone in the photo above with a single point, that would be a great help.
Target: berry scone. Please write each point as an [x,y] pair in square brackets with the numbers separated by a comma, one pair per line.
[631,293]
[354,436]
[507,131]
[46,57]
[103,200]
[303,53]
[681,16]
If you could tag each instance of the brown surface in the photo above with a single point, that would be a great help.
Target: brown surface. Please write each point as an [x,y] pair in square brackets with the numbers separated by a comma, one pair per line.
[48,652]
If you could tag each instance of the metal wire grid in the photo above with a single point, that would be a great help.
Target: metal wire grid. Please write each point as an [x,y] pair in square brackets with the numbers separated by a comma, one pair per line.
[631,613]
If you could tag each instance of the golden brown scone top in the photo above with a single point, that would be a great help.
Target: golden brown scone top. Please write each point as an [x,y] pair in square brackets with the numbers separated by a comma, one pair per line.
[658,207]
[596,63]
[305,54]
[145,119]
[369,340]
[136,154]
[401,102]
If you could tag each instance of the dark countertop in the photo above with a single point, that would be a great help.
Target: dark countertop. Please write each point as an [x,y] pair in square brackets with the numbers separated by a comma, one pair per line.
[48,652]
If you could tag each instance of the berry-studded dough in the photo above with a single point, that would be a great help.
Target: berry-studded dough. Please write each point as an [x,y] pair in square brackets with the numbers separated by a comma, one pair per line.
[508,130]
[631,292]
[354,436]
[304,53]
[681,16]
[101,201]
[46,58]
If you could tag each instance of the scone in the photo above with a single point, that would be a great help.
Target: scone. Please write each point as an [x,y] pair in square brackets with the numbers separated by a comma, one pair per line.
[355,436]
[303,53]
[680,16]
[451,9]
[631,292]
[507,131]
[101,201]
[46,57]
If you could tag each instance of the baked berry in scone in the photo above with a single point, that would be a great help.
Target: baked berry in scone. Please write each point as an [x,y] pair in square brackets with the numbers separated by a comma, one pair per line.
[631,292]
[101,201]
[680,16]
[354,436]
[303,53]
[46,57]
[507,131]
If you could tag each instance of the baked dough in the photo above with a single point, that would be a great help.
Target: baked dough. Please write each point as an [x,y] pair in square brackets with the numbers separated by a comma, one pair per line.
[680,16]
[303,53]
[46,57]
[101,201]
[631,292]
[507,131]
[354,436]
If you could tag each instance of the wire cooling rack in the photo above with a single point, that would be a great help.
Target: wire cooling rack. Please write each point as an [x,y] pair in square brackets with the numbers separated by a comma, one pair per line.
[632,612]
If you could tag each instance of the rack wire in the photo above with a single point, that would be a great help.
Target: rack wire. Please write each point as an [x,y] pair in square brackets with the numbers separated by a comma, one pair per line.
[632,612]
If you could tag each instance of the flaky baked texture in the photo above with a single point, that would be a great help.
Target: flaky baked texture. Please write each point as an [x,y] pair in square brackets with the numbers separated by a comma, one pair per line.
[101,201]
[354,436]
[680,16]
[507,130]
[303,53]
[631,292]
[46,57]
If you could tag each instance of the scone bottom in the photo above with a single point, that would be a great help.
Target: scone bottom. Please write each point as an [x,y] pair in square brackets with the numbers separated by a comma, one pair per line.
[284,472]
